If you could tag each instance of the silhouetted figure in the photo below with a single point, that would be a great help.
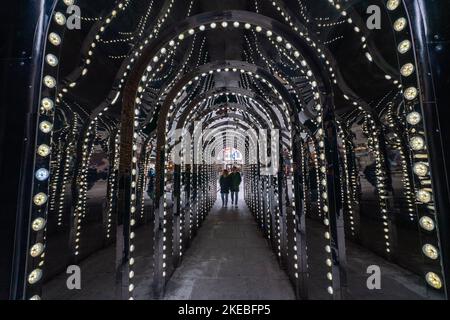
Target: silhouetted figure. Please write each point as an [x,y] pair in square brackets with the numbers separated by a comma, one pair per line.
[235,181]
[224,182]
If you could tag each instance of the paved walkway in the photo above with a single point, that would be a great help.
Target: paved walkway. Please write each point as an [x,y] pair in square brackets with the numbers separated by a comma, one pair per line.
[229,259]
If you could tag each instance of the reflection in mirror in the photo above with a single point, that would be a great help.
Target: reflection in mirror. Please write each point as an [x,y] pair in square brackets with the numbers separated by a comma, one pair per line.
[82,244]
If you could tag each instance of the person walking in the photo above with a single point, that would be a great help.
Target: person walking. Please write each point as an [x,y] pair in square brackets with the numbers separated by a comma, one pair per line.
[224,182]
[151,183]
[235,182]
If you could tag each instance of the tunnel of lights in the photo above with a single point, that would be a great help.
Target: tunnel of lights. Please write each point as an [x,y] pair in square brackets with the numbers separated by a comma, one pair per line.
[339,112]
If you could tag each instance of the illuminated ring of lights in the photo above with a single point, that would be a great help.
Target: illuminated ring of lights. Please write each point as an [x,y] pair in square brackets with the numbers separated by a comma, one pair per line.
[46,114]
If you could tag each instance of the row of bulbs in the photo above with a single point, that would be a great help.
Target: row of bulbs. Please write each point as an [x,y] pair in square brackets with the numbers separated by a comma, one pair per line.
[418,145]
[43,151]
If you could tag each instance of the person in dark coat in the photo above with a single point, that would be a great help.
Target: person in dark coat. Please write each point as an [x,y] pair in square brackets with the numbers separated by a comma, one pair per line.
[224,182]
[235,183]
[151,183]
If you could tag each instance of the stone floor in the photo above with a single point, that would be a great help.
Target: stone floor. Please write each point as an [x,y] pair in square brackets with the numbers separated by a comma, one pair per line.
[229,259]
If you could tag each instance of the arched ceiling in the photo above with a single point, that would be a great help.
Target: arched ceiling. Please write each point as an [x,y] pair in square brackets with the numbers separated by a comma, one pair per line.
[332,42]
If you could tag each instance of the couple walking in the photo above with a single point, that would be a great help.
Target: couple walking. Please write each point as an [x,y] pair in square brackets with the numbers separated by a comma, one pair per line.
[230,182]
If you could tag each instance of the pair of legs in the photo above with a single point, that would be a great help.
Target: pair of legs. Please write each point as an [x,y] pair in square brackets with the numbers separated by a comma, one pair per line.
[234,197]
[224,199]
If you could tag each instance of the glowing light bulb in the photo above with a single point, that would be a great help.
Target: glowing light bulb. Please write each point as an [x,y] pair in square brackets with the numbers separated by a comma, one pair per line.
[38,224]
[433,280]
[392,4]
[430,251]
